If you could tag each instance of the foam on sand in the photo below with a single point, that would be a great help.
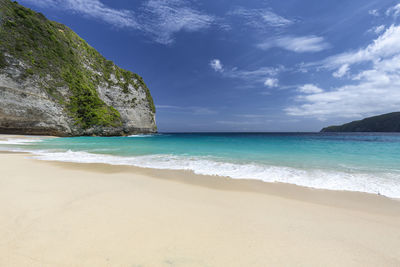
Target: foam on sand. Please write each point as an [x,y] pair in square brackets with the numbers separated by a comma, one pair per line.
[387,184]
[19,141]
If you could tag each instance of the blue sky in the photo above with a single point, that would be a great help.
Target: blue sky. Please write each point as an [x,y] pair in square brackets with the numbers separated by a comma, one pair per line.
[294,65]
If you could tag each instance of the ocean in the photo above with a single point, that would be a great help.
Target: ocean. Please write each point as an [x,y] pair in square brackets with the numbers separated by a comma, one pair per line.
[363,162]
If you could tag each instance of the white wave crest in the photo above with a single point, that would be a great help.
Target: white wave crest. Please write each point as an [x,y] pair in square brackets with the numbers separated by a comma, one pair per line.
[141,135]
[387,184]
[12,141]
[147,135]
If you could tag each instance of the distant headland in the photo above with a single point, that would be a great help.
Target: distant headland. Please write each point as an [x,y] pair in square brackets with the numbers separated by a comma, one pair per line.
[389,122]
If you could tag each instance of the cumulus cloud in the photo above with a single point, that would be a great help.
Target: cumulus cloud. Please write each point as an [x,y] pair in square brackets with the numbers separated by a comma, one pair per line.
[159,19]
[379,29]
[310,89]
[298,44]
[385,46]
[374,89]
[271,82]
[370,96]
[393,11]
[343,70]
[216,65]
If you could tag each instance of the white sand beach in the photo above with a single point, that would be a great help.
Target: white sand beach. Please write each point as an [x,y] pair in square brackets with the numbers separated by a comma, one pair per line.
[64,214]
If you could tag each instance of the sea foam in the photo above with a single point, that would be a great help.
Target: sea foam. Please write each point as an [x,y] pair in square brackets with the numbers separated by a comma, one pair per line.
[17,141]
[387,184]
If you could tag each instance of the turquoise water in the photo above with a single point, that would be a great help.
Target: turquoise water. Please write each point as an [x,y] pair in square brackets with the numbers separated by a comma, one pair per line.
[355,162]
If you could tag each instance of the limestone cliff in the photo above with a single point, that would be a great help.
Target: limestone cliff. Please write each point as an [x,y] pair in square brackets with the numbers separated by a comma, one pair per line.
[53,83]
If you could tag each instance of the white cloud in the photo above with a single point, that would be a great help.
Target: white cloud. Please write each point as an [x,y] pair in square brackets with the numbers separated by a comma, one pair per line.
[159,19]
[299,44]
[379,94]
[343,70]
[264,75]
[261,18]
[93,9]
[255,75]
[43,3]
[374,89]
[374,12]
[271,82]
[388,65]
[310,89]
[163,18]
[216,65]
[167,107]
[393,11]
[378,29]
[274,19]
[385,46]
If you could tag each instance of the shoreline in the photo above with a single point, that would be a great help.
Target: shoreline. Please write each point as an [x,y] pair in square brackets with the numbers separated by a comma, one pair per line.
[71,214]
[238,184]
[335,198]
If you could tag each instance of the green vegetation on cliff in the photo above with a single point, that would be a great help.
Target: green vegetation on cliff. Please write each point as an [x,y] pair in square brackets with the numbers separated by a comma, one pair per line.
[50,49]
[389,122]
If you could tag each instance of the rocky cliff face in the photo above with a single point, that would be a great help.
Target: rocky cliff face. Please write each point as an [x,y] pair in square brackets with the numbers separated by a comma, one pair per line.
[53,83]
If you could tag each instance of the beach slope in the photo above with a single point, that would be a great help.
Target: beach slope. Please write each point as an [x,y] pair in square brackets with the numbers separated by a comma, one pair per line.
[62,214]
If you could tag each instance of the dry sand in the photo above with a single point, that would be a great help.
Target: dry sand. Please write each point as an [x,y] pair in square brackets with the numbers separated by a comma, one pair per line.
[62,214]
